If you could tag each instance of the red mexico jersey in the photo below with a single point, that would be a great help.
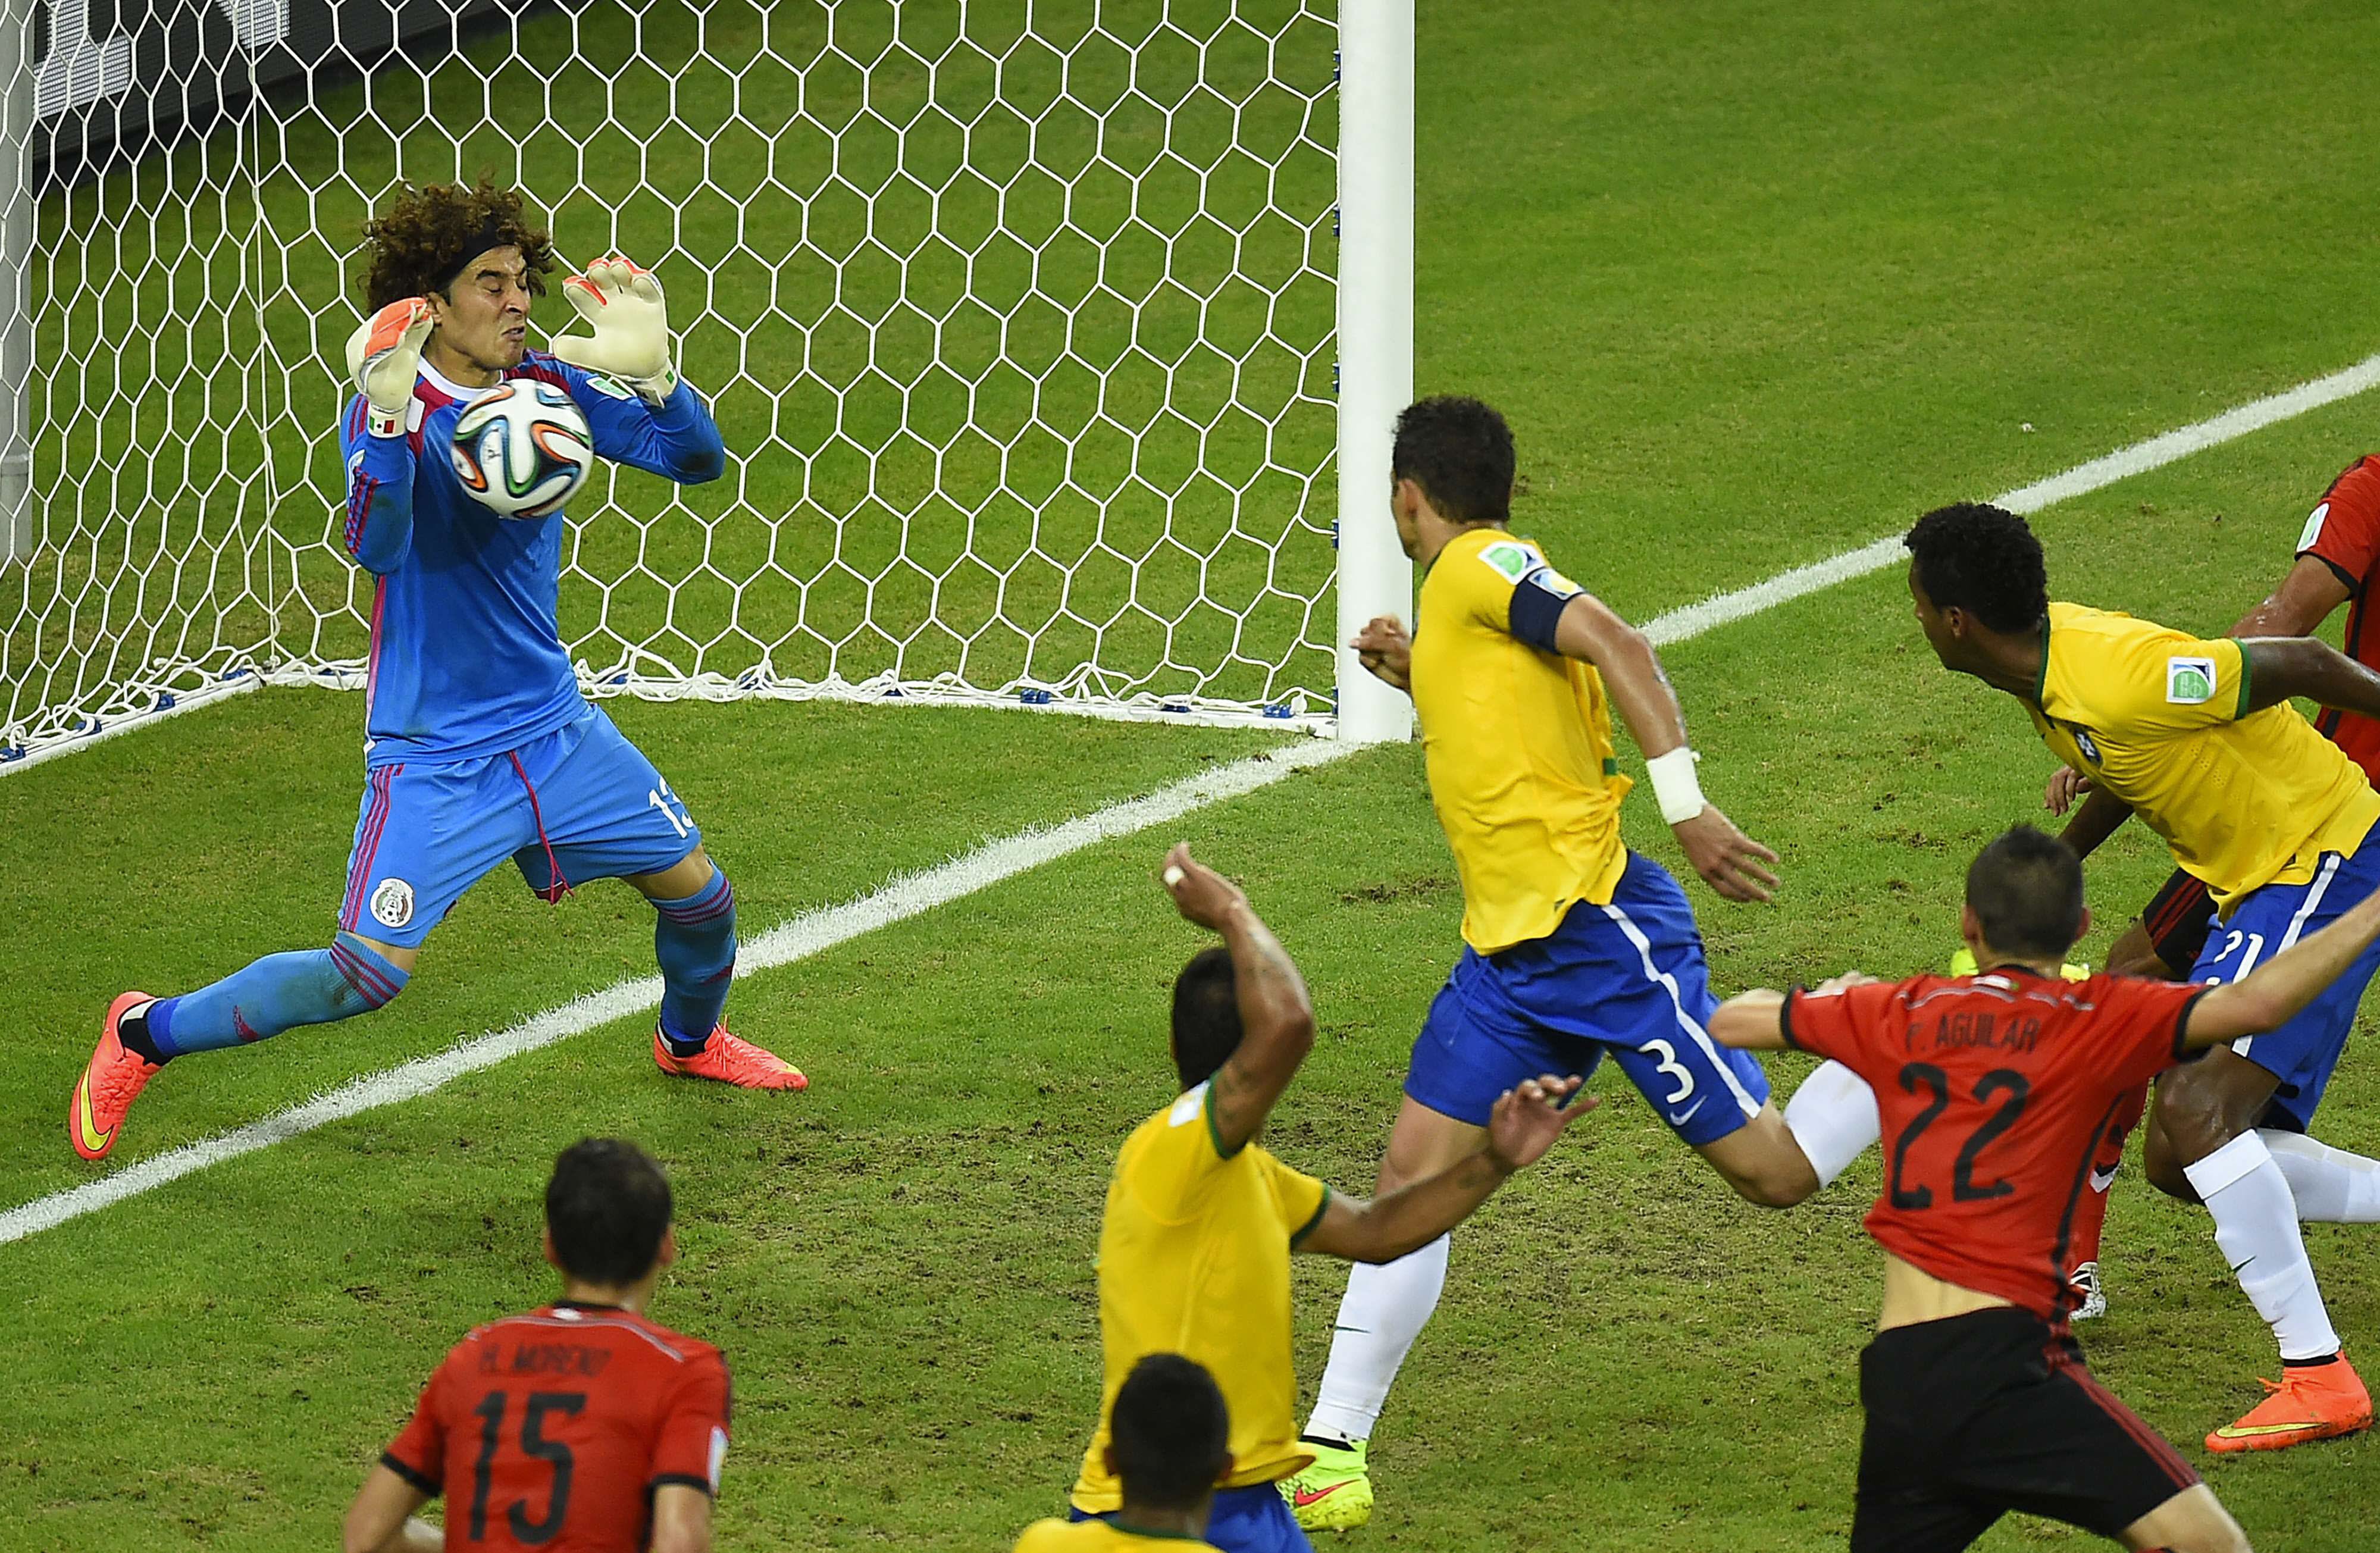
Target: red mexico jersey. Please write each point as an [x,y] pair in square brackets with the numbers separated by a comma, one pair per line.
[2343,532]
[1995,1091]
[551,1430]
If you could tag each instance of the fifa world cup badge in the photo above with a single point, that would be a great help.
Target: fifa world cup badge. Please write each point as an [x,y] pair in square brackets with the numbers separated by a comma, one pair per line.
[2189,682]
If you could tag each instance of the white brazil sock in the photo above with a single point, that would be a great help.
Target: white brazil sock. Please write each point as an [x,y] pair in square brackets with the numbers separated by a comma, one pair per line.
[2256,1227]
[2331,1185]
[1833,1117]
[1386,1308]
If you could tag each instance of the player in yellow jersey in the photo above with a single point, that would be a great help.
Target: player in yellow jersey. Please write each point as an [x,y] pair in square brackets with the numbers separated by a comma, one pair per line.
[1168,1444]
[2198,739]
[1200,1220]
[1574,945]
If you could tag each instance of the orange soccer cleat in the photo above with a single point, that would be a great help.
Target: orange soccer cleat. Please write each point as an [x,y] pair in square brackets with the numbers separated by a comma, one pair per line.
[111,1081]
[2311,1402]
[730,1059]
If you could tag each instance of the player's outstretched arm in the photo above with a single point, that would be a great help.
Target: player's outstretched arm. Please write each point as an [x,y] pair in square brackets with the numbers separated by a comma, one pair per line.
[2280,667]
[381,1521]
[1524,1124]
[1754,1020]
[680,1520]
[2271,995]
[1728,860]
[1276,1015]
[2307,594]
[668,429]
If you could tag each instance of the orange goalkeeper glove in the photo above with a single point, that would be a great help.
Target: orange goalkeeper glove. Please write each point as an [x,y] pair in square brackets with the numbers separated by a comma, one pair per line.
[384,359]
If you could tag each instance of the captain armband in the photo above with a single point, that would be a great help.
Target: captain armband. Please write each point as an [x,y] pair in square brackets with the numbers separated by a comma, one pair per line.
[1537,604]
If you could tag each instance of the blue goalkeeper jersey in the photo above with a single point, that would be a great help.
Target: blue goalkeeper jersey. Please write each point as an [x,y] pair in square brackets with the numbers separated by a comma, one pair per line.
[466,656]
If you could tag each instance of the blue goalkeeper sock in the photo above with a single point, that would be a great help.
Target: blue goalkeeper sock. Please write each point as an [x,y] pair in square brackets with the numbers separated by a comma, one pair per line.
[695,941]
[276,993]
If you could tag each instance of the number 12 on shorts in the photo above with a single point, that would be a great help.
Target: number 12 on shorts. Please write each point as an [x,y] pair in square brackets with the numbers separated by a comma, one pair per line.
[672,806]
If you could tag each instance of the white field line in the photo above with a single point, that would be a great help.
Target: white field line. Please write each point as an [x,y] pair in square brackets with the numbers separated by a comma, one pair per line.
[798,939]
[127,722]
[1694,619]
[808,934]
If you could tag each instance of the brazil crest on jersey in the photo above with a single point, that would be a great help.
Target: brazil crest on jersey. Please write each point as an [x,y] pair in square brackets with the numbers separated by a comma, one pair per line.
[466,657]
[1518,745]
[2159,719]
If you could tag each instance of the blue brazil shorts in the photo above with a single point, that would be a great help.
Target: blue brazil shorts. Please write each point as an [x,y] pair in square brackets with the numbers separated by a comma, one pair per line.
[578,804]
[1628,979]
[2303,1052]
[1251,1520]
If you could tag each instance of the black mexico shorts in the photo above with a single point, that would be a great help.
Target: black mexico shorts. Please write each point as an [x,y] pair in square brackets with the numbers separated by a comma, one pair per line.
[1974,1415]
[2178,920]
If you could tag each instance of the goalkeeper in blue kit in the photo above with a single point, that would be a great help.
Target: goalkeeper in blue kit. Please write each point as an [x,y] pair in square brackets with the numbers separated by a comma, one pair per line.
[480,745]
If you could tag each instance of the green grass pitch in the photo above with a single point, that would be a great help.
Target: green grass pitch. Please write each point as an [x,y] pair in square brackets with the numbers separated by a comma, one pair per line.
[1755,283]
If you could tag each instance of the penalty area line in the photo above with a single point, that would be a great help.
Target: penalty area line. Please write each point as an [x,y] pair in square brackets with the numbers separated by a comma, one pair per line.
[1681,624]
[810,933]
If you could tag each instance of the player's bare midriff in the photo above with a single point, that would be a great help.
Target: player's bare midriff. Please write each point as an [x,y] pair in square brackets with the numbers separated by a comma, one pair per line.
[1912,1294]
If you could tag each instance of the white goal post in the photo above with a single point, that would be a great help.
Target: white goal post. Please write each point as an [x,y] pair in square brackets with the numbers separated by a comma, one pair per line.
[1056,342]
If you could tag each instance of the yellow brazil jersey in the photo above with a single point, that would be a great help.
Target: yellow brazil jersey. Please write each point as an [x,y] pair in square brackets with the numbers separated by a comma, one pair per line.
[1518,744]
[1101,1536]
[1194,1259]
[2154,715]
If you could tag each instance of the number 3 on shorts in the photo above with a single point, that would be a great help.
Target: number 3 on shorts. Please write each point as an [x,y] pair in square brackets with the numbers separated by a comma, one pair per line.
[1669,1064]
[673,808]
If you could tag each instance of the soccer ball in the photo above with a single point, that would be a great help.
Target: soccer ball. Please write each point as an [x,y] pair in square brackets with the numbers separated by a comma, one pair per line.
[522,448]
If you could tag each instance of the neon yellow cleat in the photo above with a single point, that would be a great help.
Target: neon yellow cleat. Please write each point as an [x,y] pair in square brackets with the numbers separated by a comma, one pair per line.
[1335,1493]
[1964,963]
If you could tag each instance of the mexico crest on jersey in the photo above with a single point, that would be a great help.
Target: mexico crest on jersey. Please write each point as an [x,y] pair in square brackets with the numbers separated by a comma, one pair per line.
[391,903]
[2189,682]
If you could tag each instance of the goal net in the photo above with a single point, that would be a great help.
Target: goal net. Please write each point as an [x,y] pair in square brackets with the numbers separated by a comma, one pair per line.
[1019,320]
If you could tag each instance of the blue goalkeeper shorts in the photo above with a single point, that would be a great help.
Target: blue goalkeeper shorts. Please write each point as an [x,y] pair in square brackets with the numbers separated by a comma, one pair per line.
[1627,978]
[578,804]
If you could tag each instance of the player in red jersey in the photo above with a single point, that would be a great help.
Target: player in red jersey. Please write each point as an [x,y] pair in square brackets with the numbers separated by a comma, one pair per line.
[2338,557]
[1996,1091]
[581,1426]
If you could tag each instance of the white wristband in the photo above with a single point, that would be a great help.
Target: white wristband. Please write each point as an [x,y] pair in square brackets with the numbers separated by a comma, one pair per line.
[1674,787]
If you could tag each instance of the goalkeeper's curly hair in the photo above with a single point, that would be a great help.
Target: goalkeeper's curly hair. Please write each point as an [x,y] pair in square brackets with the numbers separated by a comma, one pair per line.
[423,237]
